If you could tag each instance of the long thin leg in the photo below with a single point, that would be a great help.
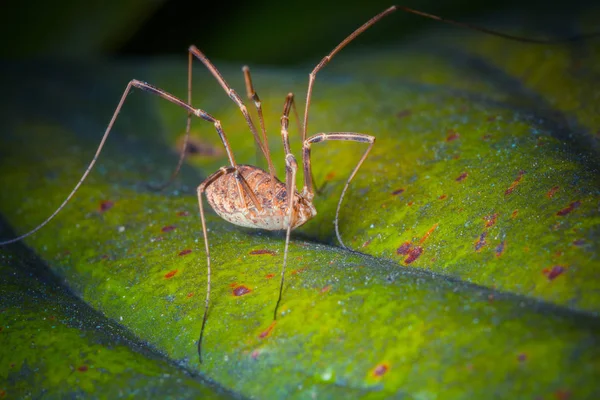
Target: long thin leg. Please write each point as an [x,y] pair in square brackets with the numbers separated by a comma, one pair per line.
[186,138]
[324,62]
[252,95]
[167,96]
[321,137]
[193,50]
[291,169]
[200,190]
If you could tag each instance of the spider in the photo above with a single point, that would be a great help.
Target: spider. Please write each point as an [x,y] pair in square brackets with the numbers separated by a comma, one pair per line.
[249,196]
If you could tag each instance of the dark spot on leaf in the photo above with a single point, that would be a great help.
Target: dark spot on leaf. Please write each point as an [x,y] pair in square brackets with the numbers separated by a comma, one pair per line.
[514,214]
[413,254]
[2,393]
[170,274]
[551,192]
[404,248]
[442,197]
[183,213]
[398,191]
[380,370]
[452,135]
[579,242]
[500,249]
[262,251]
[184,252]
[82,368]
[522,357]
[268,331]
[105,257]
[461,177]
[106,205]
[486,137]
[490,220]
[196,147]
[168,228]
[365,244]
[515,183]
[269,276]
[481,242]
[241,290]
[190,294]
[569,208]
[562,394]
[491,118]
[410,203]
[404,113]
[553,273]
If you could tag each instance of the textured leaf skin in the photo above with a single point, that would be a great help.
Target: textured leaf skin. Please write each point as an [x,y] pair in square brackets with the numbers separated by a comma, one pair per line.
[55,346]
[349,325]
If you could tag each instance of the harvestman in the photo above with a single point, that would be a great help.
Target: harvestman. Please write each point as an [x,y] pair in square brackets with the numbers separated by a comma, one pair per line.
[249,196]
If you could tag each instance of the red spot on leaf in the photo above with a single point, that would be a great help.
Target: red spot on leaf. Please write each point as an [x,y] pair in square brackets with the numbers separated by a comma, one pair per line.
[190,294]
[481,242]
[267,331]
[429,232]
[241,290]
[104,256]
[562,394]
[398,191]
[413,254]
[514,214]
[82,368]
[462,177]
[365,244]
[404,248]
[168,228]
[183,214]
[262,251]
[410,203]
[452,135]
[2,393]
[490,220]
[569,208]
[269,276]
[170,274]
[106,205]
[255,354]
[554,272]
[442,197]
[297,271]
[500,248]
[184,252]
[552,191]
[326,289]
[487,137]
[330,176]
[515,183]
[380,370]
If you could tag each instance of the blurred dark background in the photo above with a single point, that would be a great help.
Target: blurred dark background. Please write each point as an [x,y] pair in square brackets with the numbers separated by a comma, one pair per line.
[259,31]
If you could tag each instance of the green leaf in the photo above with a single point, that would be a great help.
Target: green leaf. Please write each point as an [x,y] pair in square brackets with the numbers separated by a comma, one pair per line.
[478,209]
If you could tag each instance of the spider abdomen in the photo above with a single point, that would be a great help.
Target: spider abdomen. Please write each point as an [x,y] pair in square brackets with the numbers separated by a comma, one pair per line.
[223,196]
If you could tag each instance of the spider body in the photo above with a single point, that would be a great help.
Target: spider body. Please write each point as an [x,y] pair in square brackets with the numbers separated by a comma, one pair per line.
[272,200]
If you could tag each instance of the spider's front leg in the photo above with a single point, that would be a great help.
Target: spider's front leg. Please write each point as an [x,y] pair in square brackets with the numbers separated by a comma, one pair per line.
[308,191]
